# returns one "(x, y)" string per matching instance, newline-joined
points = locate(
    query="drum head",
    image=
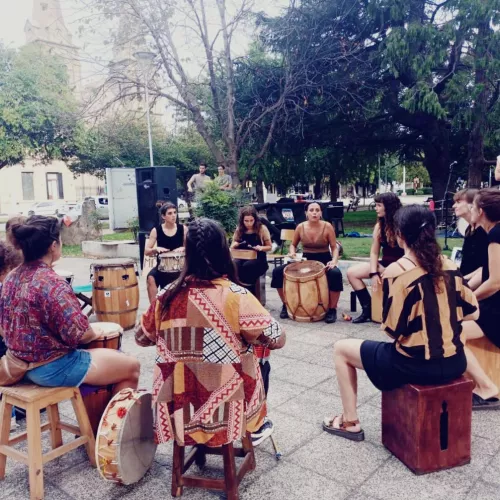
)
(63, 273)
(304, 270)
(105, 263)
(111, 330)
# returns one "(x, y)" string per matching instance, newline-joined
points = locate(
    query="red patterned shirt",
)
(39, 314)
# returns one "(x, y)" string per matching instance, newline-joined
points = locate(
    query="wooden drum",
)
(243, 254)
(306, 291)
(110, 339)
(488, 356)
(115, 291)
(95, 399)
(171, 262)
(125, 445)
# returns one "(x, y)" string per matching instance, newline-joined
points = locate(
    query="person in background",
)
(16, 219)
(205, 327)
(320, 244)
(198, 182)
(426, 305)
(169, 237)
(223, 180)
(251, 234)
(485, 212)
(475, 246)
(384, 237)
(57, 329)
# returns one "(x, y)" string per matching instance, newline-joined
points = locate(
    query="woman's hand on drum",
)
(332, 264)
(162, 250)
(257, 248)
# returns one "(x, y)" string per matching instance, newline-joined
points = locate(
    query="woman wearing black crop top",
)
(384, 237)
(485, 211)
(169, 237)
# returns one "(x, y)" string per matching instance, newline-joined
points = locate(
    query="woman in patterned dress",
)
(207, 385)
(426, 300)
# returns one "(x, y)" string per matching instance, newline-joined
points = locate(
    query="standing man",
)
(169, 236)
(198, 182)
(223, 180)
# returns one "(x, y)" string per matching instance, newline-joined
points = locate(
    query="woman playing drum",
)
(384, 237)
(169, 237)
(204, 326)
(475, 246)
(319, 243)
(42, 323)
(485, 212)
(425, 304)
(251, 234)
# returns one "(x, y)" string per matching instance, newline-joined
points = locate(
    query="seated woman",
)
(251, 234)
(485, 212)
(169, 237)
(384, 236)
(319, 243)
(475, 246)
(425, 304)
(204, 326)
(41, 320)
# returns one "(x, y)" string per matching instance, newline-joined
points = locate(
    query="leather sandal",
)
(342, 429)
(478, 403)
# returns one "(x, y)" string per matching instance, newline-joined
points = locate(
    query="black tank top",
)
(170, 242)
(253, 239)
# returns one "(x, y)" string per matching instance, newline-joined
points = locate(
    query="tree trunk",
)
(317, 186)
(333, 186)
(259, 187)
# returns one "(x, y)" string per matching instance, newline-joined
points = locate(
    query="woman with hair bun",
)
(384, 238)
(42, 322)
(426, 302)
(485, 212)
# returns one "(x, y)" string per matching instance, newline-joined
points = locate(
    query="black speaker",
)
(155, 186)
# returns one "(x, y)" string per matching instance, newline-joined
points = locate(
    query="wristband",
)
(374, 274)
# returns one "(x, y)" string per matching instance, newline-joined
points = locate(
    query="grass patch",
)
(72, 251)
(363, 218)
(125, 235)
(355, 247)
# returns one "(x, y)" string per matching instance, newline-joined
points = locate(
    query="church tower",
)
(47, 29)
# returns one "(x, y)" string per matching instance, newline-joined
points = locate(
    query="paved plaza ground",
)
(315, 465)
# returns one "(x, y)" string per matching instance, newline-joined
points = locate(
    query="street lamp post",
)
(145, 60)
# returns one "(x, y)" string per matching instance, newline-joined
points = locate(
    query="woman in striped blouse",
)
(425, 302)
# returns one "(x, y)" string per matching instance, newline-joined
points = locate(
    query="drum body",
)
(115, 291)
(306, 291)
(125, 444)
(171, 262)
(96, 399)
(110, 339)
(243, 254)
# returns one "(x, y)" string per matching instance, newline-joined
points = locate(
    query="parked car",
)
(50, 207)
(101, 205)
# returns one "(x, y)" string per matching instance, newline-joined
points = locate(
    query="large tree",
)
(37, 109)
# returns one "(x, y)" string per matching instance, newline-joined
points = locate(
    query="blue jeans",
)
(68, 371)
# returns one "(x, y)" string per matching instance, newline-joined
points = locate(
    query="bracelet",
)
(374, 274)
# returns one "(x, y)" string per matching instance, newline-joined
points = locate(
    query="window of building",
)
(55, 186)
(28, 186)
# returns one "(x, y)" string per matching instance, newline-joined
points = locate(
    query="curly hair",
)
(248, 211)
(9, 259)
(392, 204)
(207, 256)
(416, 225)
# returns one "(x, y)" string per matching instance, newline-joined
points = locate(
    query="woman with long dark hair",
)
(251, 234)
(42, 323)
(320, 244)
(204, 326)
(485, 212)
(425, 304)
(384, 237)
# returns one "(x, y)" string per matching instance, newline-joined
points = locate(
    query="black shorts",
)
(162, 279)
(388, 369)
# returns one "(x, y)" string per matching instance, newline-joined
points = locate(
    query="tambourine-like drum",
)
(125, 444)
(306, 291)
(115, 291)
(111, 337)
(243, 254)
(171, 262)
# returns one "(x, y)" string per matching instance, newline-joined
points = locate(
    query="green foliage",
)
(133, 227)
(219, 205)
(37, 108)
(95, 222)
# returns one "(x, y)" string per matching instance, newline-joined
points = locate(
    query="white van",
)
(101, 205)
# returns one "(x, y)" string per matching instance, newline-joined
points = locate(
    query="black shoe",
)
(331, 316)
(284, 312)
(364, 317)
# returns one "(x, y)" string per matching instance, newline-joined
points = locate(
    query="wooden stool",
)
(488, 356)
(429, 427)
(232, 476)
(34, 398)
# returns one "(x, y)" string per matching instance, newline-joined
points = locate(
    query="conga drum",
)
(125, 443)
(171, 262)
(96, 399)
(115, 291)
(111, 337)
(306, 291)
